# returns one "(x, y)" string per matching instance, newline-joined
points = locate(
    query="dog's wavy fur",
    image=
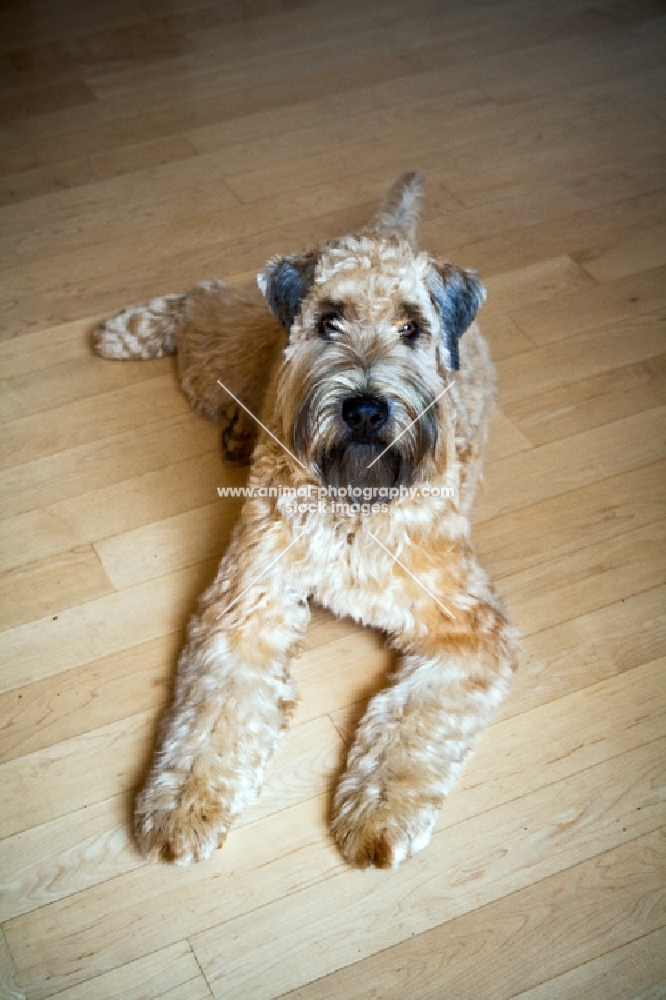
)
(409, 569)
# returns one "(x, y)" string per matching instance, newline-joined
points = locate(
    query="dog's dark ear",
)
(285, 282)
(458, 296)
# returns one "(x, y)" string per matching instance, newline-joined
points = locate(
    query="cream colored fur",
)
(409, 570)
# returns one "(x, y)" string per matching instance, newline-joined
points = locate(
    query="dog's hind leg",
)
(227, 342)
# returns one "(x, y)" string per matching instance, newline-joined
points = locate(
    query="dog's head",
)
(373, 329)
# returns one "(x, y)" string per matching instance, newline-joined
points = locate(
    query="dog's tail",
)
(147, 331)
(399, 212)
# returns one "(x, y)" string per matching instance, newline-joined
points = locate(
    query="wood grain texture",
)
(8, 984)
(479, 858)
(502, 947)
(638, 965)
(146, 147)
(172, 971)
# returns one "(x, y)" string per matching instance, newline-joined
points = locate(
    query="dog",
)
(355, 384)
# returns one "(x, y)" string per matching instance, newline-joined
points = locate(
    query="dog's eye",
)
(328, 324)
(410, 331)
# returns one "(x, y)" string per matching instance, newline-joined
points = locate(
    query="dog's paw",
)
(188, 831)
(238, 437)
(373, 827)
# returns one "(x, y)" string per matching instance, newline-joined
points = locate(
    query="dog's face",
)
(373, 328)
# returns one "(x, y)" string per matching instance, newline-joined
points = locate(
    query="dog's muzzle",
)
(363, 438)
(362, 454)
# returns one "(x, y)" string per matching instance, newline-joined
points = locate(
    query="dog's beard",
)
(361, 464)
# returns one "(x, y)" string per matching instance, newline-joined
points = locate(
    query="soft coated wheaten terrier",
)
(370, 392)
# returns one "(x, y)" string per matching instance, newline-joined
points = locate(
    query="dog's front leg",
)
(233, 700)
(410, 746)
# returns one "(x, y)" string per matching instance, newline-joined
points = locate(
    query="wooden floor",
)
(148, 145)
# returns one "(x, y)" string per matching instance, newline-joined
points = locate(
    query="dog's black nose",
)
(364, 414)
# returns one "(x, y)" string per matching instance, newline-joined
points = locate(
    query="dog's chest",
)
(363, 570)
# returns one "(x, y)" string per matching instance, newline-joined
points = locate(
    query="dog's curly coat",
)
(357, 397)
